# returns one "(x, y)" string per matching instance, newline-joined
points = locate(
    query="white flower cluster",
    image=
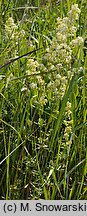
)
(77, 42)
(31, 65)
(57, 60)
(36, 83)
(10, 28)
(65, 39)
(73, 14)
(63, 47)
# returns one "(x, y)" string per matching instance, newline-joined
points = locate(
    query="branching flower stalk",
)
(58, 59)
(50, 88)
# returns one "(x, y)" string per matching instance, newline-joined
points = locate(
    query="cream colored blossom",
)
(10, 27)
(41, 82)
(33, 85)
(73, 14)
(77, 42)
(31, 65)
(42, 100)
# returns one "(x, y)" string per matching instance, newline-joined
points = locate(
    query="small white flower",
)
(33, 86)
(10, 28)
(77, 42)
(24, 89)
(73, 14)
(42, 100)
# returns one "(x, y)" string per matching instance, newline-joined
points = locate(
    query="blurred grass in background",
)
(43, 102)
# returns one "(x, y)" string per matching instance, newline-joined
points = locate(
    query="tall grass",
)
(43, 97)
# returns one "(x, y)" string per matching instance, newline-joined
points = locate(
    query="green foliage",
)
(43, 97)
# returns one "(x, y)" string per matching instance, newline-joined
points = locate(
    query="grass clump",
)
(43, 112)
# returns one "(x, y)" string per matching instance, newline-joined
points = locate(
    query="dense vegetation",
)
(43, 99)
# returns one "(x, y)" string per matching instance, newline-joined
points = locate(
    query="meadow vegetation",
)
(43, 99)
